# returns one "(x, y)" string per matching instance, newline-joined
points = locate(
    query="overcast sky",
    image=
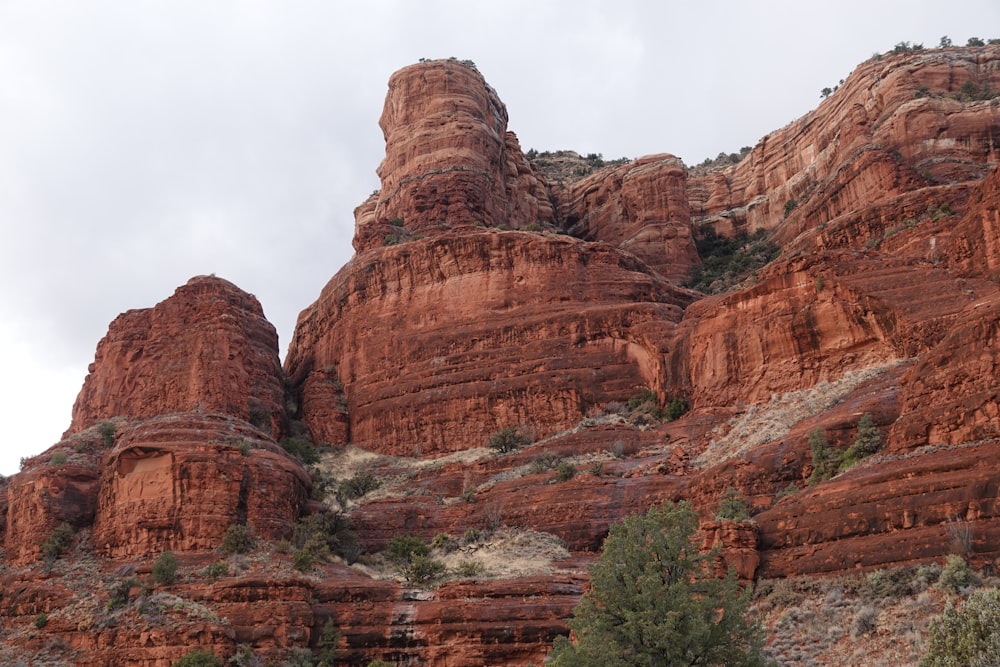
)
(142, 143)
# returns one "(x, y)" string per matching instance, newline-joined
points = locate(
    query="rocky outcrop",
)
(891, 128)
(207, 348)
(641, 207)
(178, 482)
(449, 160)
(440, 342)
(483, 296)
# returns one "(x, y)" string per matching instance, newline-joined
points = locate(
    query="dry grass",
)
(766, 422)
(867, 620)
(506, 553)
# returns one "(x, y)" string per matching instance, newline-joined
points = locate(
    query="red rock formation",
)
(736, 544)
(974, 245)
(178, 482)
(42, 498)
(445, 327)
(208, 347)
(438, 343)
(872, 140)
(641, 207)
(449, 159)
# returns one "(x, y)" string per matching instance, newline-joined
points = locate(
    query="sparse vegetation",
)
(733, 506)
(653, 601)
(509, 439)
(867, 441)
(825, 460)
(199, 658)
(968, 635)
(956, 574)
(41, 620)
(726, 262)
(107, 431)
(215, 571)
(674, 409)
(58, 458)
(326, 534)
(423, 570)
(165, 569)
(120, 594)
(238, 539)
(468, 569)
(404, 548)
(57, 543)
(302, 449)
(725, 159)
(357, 486)
(566, 471)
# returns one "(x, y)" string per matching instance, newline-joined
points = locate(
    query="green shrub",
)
(107, 431)
(469, 568)
(423, 570)
(41, 620)
(199, 658)
(303, 560)
(404, 548)
(675, 409)
(508, 439)
(824, 459)
(165, 569)
(441, 541)
(58, 458)
(57, 543)
(301, 449)
(379, 663)
(396, 222)
(119, 595)
(215, 571)
(654, 600)
(967, 636)
(566, 471)
(645, 396)
(956, 574)
(355, 487)
(326, 533)
(733, 506)
(471, 536)
(789, 490)
(237, 540)
(726, 262)
(544, 462)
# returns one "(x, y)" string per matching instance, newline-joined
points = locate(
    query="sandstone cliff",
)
(484, 295)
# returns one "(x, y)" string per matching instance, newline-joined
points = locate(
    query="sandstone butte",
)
(486, 294)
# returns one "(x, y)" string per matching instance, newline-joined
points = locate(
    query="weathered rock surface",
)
(449, 159)
(178, 482)
(641, 207)
(465, 310)
(440, 342)
(208, 347)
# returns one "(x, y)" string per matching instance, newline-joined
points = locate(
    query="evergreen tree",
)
(654, 602)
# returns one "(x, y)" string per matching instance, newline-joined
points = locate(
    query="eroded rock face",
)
(208, 347)
(446, 326)
(41, 499)
(641, 207)
(449, 160)
(872, 140)
(441, 342)
(178, 482)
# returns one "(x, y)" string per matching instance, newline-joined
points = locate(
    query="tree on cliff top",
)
(655, 602)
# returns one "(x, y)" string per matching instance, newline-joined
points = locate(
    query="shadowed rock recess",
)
(486, 297)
